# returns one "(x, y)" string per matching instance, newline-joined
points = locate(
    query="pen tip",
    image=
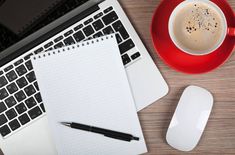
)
(65, 123)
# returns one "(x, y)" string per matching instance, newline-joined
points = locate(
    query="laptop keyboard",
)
(20, 100)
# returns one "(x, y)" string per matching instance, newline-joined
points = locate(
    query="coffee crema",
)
(198, 27)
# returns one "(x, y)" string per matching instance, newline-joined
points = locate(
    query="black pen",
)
(105, 132)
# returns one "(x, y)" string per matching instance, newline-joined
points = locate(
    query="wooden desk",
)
(219, 135)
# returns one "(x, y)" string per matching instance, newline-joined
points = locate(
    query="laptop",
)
(50, 25)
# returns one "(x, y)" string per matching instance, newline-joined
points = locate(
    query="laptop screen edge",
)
(46, 32)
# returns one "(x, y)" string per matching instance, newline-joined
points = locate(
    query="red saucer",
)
(179, 60)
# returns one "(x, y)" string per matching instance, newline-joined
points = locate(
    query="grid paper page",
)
(88, 85)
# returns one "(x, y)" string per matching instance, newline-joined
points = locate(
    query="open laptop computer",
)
(23, 122)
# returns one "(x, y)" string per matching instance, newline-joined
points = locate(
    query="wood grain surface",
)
(219, 135)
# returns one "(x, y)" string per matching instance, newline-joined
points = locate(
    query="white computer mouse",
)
(190, 118)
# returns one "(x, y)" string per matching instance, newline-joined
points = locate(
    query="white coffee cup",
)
(201, 52)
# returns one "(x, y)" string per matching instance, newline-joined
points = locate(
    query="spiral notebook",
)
(87, 83)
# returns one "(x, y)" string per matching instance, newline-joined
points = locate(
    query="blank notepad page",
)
(87, 83)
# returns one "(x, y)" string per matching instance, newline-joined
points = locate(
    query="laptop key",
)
(14, 124)
(88, 30)
(68, 33)
(38, 97)
(3, 93)
(119, 39)
(1, 72)
(2, 107)
(78, 27)
(36, 86)
(98, 25)
(99, 34)
(29, 90)
(21, 70)
(58, 45)
(20, 96)
(29, 65)
(21, 82)
(31, 77)
(135, 56)
(127, 45)
(79, 36)
(8, 68)
(48, 45)
(38, 50)
(109, 18)
(88, 21)
(108, 9)
(58, 39)
(42, 107)
(30, 102)
(3, 119)
(11, 76)
(108, 30)
(27, 56)
(18, 62)
(11, 114)
(3, 81)
(118, 27)
(24, 119)
(12, 88)
(35, 112)
(10, 101)
(98, 15)
(69, 41)
(125, 59)
(4, 130)
(20, 108)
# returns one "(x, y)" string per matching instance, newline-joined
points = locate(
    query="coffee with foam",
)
(198, 27)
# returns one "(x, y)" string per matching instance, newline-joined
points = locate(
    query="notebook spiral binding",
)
(67, 48)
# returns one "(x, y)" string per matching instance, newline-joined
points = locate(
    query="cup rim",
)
(171, 33)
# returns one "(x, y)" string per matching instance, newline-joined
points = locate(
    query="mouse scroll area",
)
(190, 118)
